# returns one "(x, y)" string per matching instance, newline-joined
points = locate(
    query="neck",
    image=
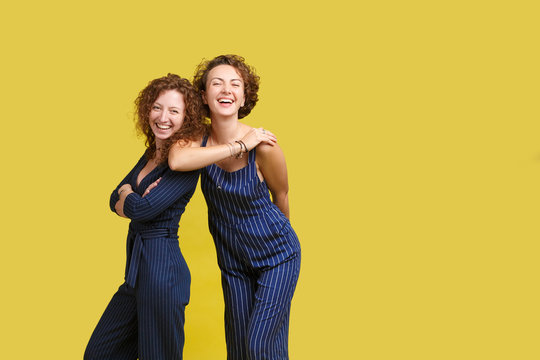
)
(159, 147)
(224, 130)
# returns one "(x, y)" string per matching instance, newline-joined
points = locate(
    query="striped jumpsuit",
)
(259, 257)
(145, 318)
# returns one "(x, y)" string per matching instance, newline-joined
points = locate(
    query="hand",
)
(150, 187)
(256, 136)
(125, 187)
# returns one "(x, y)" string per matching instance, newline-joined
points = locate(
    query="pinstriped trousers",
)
(257, 311)
(257, 288)
(146, 322)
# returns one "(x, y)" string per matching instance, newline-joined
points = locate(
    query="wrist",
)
(243, 149)
(124, 191)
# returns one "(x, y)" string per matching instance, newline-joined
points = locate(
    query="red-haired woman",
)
(258, 251)
(145, 318)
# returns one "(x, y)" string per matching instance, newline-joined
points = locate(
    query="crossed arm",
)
(173, 185)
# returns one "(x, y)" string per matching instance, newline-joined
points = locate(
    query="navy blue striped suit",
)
(145, 318)
(259, 257)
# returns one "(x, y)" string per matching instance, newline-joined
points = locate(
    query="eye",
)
(215, 83)
(155, 107)
(176, 112)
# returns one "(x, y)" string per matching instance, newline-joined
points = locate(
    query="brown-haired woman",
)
(258, 251)
(145, 318)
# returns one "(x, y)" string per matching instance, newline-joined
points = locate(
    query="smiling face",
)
(224, 91)
(167, 115)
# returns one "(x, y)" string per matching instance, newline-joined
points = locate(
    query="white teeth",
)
(227, 101)
(163, 127)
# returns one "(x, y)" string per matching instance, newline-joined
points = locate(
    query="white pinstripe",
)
(259, 255)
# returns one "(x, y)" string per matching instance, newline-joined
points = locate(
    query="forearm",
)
(193, 158)
(119, 205)
(114, 198)
(172, 187)
(281, 200)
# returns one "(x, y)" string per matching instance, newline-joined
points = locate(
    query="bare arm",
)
(191, 156)
(271, 162)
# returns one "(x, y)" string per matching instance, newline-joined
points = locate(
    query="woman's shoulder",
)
(268, 153)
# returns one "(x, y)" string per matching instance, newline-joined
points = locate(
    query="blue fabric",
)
(145, 318)
(259, 257)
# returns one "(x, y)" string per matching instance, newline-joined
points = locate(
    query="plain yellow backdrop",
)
(411, 132)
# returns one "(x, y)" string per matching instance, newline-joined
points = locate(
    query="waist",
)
(148, 233)
(236, 217)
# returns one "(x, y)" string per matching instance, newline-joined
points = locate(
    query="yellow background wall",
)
(411, 131)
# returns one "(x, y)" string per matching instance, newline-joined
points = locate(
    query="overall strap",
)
(204, 140)
(251, 156)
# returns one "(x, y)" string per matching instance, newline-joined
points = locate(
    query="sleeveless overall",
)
(259, 257)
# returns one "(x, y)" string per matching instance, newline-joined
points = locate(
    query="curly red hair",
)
(251, 80)
(193, 126)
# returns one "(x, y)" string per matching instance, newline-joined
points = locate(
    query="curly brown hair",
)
(193, 126)
(251, 80)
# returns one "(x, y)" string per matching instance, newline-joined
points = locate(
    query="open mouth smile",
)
(163, 127)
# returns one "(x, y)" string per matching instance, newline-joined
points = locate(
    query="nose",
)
(226, 88)
(163, 116)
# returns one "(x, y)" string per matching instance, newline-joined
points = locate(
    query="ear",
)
(203, 94)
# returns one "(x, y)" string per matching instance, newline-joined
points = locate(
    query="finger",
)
(270, 141)
(272, 138)
(154, 184)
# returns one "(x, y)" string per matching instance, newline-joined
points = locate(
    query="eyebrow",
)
(172, 107)
(218, 78)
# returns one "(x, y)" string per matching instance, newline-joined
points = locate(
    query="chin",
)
(227, 113)
(162, 137)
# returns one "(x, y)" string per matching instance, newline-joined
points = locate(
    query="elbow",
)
(180, 163)
(280, 196)
(173, 163)
(176, 163)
